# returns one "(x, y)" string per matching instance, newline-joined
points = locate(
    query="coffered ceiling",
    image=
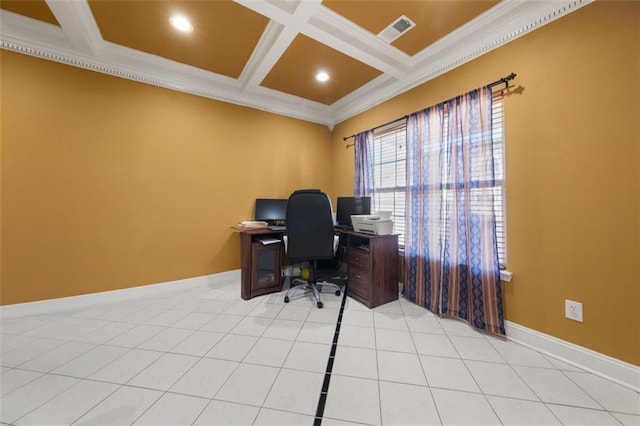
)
(265, 53)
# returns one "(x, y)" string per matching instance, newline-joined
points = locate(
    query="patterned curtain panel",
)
(363, 177)
(451, 257)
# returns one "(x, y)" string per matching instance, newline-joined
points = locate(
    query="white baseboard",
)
(602, 365)
(605, 366)
(85, 301)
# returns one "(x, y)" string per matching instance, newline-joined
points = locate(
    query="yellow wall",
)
(109, 183)
(572, 167)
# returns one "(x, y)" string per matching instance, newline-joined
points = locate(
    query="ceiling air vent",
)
(396, 29)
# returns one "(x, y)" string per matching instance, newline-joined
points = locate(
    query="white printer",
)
(379, 223)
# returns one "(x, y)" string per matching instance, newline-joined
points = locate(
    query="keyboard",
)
(344, 227)
(277, 228)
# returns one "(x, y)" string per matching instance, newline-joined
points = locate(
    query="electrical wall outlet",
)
(573, 310)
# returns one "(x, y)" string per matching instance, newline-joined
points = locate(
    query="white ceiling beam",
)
(269, 10)
(329, 28)
(77, 22)
(274, 42)
(334, 30)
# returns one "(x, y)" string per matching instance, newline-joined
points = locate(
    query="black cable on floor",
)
(327, 374)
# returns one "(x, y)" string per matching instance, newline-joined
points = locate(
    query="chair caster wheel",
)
(319, 305)
(286, 299)
(337, 292)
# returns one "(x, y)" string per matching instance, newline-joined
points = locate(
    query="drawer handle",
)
(358, 276)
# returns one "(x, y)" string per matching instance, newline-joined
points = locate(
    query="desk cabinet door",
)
(265, 271)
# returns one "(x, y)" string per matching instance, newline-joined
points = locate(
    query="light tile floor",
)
(205, 357)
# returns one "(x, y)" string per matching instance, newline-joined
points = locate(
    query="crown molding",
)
(78, 43)
(47, 41)
(475, 39)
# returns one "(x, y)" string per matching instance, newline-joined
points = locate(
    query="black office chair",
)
(310, 237)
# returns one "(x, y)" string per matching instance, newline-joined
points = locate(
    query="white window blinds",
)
(389, 176)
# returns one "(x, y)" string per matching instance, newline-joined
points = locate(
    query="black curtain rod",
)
(503, 80)
(377, 127)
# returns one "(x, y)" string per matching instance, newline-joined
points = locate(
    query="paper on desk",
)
(267, 240)
(253, 224)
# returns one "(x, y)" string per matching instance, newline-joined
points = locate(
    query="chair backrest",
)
(309, 225)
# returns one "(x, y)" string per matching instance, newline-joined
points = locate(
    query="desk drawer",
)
(359, 281)
(359, 258)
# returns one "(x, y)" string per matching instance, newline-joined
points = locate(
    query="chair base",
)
(306, 287)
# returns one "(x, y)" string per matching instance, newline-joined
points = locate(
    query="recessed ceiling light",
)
(181, 23)
(322, 76)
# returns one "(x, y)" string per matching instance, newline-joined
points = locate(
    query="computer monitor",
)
(351, 205)
(271, 210)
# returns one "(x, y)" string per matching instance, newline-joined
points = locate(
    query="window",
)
(389, 178)
(497, 121)
(389, 175)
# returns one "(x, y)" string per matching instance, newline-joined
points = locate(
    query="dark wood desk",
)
(372, 262)
(259, 263)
